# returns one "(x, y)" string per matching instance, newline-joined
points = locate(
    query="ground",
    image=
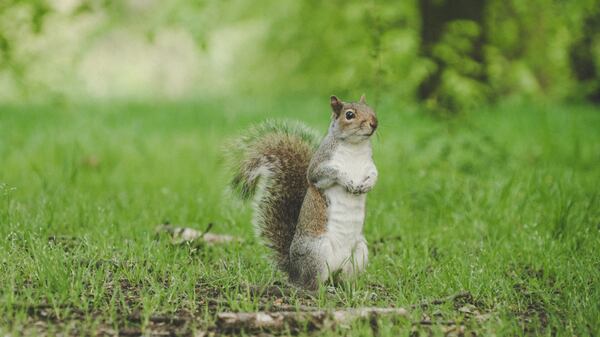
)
(487, 223)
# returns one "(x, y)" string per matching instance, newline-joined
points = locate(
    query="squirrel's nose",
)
(373, 124)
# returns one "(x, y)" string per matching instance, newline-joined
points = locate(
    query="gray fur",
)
(307, 267)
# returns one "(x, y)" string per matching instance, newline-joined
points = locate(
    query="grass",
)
(503, 203)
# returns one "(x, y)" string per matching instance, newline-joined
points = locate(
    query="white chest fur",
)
(346, 211)
(355, 160)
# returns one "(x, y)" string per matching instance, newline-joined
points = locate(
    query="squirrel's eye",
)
(349, 114)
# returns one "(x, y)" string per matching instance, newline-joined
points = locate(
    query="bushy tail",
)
(269, 163)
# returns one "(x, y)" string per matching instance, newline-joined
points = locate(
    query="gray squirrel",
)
(309, 198)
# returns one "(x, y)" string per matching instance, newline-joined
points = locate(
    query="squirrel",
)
(310, 197)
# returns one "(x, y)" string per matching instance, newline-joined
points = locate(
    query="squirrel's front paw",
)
(361, 188)
(364, 189)
(354, 189)
(367, 184)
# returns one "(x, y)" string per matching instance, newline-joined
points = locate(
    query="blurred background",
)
(114, 115)
(446, 55)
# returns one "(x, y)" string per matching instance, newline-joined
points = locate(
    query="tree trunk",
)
(582, 59)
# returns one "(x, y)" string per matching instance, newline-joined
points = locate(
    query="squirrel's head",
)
(353, 122)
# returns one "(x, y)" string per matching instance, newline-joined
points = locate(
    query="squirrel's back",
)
(269, 164)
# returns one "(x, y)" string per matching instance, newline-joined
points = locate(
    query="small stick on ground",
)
(292, 307)
(181, 235)
(294, 320)
(207, 229)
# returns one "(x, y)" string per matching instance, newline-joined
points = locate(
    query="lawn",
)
(500, 205)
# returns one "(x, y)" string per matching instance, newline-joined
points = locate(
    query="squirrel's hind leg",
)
(308, 266)
(357, 262)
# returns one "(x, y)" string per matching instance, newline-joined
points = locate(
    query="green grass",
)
(503, 203)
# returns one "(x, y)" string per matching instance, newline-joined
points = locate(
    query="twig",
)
(208, 228)
(180, 235)
(320, 319)
(292, 307)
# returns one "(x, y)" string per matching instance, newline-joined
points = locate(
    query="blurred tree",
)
(527, 48)
(584, 59)
(43, 42)
(452, 37)
(19, 18)
(322, 43)
(451, 55)
(347, 47)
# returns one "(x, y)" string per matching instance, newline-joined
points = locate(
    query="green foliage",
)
(18, 20)
(540, 48)
(528, 48)
(346, 47)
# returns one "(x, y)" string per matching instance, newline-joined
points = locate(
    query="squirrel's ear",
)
(336, 105)
(363, 99)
